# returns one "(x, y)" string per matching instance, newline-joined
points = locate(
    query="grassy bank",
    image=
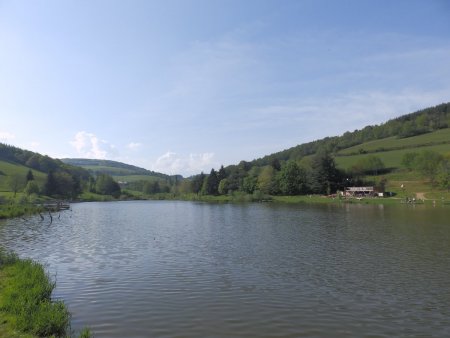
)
(26, 307)
(11, 210)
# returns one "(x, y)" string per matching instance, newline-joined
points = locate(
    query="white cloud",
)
(173, 163)
(90, 146)
(6, 137)
(134, 145)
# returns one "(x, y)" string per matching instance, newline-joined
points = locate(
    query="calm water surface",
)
(185, 269)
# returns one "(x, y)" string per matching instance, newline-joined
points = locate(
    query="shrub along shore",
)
(26, 307)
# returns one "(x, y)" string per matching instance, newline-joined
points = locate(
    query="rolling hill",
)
(426, 127)
(120, 171)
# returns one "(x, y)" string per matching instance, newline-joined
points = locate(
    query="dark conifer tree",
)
(30, 176)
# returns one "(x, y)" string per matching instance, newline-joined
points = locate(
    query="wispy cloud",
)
(173, 163)
(320, 117)
(90, 146)
(134, 145)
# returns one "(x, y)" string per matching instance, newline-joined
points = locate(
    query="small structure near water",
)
(360, 192)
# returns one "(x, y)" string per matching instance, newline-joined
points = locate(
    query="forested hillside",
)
(130, 177)
(416, 144)
(24, 171)
(420, 122)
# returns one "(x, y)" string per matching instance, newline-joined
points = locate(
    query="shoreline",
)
(16, 210)
(26, 306)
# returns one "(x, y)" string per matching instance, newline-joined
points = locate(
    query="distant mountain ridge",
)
(113, 168)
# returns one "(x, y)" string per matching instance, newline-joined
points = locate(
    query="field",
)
(8, 169)
(134, 178)
(110, 170)
(438, 137)
(391, 149)
(391, 159)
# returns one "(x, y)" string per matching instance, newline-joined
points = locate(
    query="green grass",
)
(134, 178)
(391, 159)
(110, 170)
(12, 210)
(394, 143)
(26, 307)
(25, 299)
(93, 197)
(7, 169)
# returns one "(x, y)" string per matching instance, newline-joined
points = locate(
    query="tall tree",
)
(212, 183)
(292, 179)
(428, 163)
(325, 176)
(106, 185)
(30, 176)
(197, 183)
(266, 180)
(221, 174)
(51, 186)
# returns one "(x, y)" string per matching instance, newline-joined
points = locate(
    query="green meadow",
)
(435, 138)
(8, 169)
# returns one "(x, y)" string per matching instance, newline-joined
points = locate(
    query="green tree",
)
(212, 183)
(428, 163)
(409, 160)
(62, 184)
(275, 163)
(221, 174)
(443, 175)
(292, 179)
(325, 177)
(30, 176)
(223, 187)
(16, 182)
(51, 186)
(105, 185)
(32, 188)
(250, 180)
(151, 187)
(197, 183)
(266, 180)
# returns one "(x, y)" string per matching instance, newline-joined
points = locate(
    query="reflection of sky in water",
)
(166, 268)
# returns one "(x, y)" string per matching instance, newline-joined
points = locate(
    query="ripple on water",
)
(181, 269)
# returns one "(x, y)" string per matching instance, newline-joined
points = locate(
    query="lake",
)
(188, 269)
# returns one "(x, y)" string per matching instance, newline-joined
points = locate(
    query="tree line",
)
(431, 165)
(420, 122)
(62, 181)
(316, 175)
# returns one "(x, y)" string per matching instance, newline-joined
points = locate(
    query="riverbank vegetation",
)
(26, 307)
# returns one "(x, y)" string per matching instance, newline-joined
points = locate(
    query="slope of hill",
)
(119, 170)
(8, 169)
(398, 132)
(53, 177)
(391, 149)
(36, 161)
(436, 138)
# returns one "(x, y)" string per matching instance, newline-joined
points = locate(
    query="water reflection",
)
(140, 269)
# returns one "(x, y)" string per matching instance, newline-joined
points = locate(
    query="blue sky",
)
(184, 86)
